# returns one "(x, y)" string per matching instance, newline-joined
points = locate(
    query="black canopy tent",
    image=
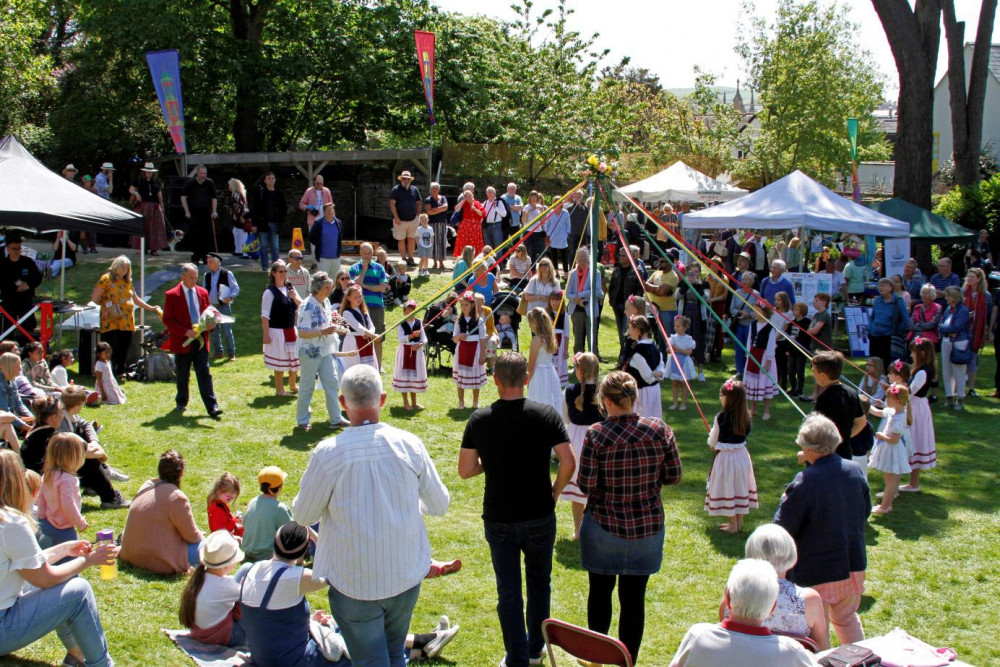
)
(36, 198)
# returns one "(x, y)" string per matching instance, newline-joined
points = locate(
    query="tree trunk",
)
(248, 20)
(967, 107)
(913, 35)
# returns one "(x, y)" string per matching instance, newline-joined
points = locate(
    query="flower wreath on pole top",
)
(600, 165)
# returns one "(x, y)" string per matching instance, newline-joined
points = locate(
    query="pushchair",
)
(439, 329)
(505, 303)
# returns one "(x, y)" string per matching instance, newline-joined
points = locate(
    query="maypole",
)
(600, 167)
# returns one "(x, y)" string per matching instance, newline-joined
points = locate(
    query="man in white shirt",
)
(496, 211)
(742, 639)
(375, 552)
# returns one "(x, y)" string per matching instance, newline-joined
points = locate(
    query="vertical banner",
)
(896, 253)
(425, 56)
(852, 138)
(165, 67)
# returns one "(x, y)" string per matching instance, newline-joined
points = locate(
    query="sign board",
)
(856, 320)
(807, 285)
(897, 252)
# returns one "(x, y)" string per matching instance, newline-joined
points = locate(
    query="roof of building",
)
(995, 60)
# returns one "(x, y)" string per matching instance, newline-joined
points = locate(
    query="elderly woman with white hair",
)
(799, 611)
(743, 638)
(831, 545)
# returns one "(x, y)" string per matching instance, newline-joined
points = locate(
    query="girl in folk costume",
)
(580, 409)
(922, 439)
(410, 373)
(469, 366)
(893, 448)
(560, 325)
(543, 381)
(681, 365)
(732, 488)
(485, 313)
(361, 329)
(761, 366)
(645, 364)
(898, 373)
(277, 317)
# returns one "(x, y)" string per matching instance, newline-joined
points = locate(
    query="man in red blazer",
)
(182, 306)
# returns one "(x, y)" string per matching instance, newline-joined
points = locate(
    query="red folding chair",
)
(584, 644)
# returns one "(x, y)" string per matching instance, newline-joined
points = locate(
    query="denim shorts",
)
(603, 553)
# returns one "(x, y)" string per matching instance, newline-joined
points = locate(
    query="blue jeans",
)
(493, 234)
(742, 332)
(69, 609)
(309, 367)
(666, 318)
(224, 333)
(535, 539)
(52, 536)
(193, 558)
(268, 244)
(375, 630)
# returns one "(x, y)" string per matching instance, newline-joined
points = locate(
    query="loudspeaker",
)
(86, 353)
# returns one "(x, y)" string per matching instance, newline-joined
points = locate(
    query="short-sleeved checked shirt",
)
(625, 462)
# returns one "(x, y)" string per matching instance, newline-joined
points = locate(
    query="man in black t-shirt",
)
(836, 402)
(404, 202)
(19, 276)
(199, 202)
(511, 442)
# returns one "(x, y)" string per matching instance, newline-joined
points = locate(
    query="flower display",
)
(209, 317)
(602, 164)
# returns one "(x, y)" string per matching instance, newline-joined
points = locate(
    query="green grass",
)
(932, 562)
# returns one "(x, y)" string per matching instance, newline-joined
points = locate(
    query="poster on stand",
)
(856, 320)
(807, 285)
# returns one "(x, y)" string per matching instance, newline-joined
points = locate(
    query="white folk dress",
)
(892, 458)
(410, 372)
(544, 386)
(732, 487)
(354, 340)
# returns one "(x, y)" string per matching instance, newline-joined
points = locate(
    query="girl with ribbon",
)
(893, 447)
(409, 374)
(732, 487)
(469, 366)
(924, 456)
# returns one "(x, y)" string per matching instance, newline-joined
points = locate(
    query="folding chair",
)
(584, 644)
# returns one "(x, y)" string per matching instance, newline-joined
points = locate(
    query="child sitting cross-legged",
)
(265, 515)
(224, 493)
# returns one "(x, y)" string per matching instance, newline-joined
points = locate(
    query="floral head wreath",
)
(897, 365)
(469, 296)
(678, 318)
(895, 389)
(577, 357)
(729, 385)
(919, 340)
(410, 303)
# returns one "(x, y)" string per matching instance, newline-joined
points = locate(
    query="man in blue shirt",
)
(374, 282)
(222, 288)
(325, 237)
(557, 238)
(776, 282)
(513, 202)
(404, 203)
(944, 278)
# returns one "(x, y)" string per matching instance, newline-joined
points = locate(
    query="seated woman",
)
(48, 415)
(57, 599)
(160, 532)
(799, 611)
(276, 616)
(10, 399)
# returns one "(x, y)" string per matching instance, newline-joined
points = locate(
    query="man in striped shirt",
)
(944, 278)
(367, 488)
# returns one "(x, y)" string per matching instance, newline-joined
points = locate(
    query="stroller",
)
(505, 303)
(439, 329)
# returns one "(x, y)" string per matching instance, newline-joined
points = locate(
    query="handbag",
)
(851, 655)
(961, 353)
(251, 246)
(456, 217)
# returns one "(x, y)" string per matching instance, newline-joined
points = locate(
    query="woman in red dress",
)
(470, 231)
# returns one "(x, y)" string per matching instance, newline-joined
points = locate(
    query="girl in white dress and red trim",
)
(277, 319)
(645, 364)
(761, 366)
(922, 432)
(409, 375)
(469, 366)
(732, 487)
(580, 409)
(361, 335)
(543, 382)
(560, 325)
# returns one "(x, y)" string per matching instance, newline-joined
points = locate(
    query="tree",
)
(913, 34)
(967, 106)
(811, 76)
(26, 76)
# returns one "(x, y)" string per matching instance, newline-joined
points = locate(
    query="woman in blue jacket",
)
(954, 330)
(889, 318)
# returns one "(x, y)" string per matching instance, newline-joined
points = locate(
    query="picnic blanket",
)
(208, 655)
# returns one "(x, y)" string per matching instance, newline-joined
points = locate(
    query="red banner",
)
(425, 56)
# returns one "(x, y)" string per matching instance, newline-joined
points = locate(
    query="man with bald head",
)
(182, 308)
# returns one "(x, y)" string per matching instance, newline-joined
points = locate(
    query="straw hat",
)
(405, 174)
(108, 166)
(70, 167)
(149, 167)
(220, 549)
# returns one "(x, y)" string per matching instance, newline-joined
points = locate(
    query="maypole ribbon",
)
(673, 353)
(719, 319)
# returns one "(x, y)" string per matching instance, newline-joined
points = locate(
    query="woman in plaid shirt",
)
(626, 460)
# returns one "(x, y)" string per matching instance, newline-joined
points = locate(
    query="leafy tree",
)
(811, 76)
(26, 72)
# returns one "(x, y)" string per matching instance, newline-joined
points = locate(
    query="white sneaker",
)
(117, 475)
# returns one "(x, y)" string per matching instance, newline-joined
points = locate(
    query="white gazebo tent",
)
(679, 182)
(797, 201)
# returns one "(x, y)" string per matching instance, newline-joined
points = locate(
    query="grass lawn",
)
(932, 562)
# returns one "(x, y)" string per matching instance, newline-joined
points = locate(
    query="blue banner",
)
(165, 67)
